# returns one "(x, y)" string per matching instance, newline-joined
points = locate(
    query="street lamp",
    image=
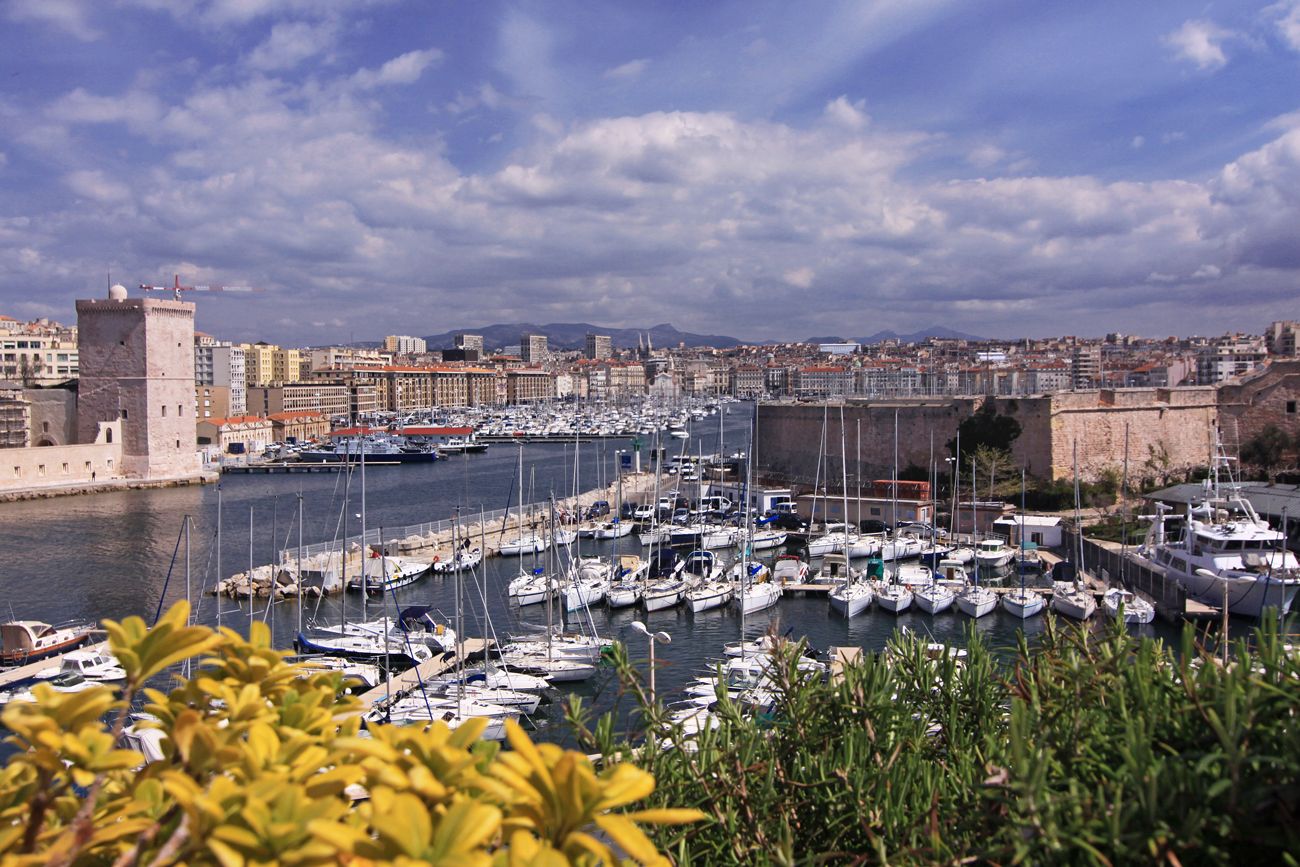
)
(653, 636)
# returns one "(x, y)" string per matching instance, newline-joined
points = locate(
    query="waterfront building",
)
(15, 416)
(298, 426)
(334, 357)
(529, 385)
(251, 434)
(220, 388)
(328, 399)
(468, 341)
(1281, 339)
(137, 369)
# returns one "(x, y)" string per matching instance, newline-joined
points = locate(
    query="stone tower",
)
(137, 365)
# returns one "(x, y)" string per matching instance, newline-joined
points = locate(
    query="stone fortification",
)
(1169, 428)
(1265, 396)
(137, 365)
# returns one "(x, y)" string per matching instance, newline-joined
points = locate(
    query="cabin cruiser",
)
(1222, 551)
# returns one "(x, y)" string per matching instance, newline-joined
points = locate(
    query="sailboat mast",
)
(251, 606)
(365, 581)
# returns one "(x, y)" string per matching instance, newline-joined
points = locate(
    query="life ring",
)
(435, 558)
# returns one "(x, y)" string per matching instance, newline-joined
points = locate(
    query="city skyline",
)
(755, 170)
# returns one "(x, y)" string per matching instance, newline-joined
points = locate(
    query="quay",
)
(303, 467)
(466, 649)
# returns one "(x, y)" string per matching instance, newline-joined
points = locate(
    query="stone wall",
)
(52, 466)
(54, 416)
(1174, 425)
(1267, 396)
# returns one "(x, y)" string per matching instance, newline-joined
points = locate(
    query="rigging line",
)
(163, 595)
(275, 569)
(194, 615)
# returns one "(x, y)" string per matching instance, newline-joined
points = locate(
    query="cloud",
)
(93, 185)
(628, 71)
(405, 69)
(1137, 142)
(1287, 18)
(292, 42)
(1199, 42)
(800, 277)
(842, 113)
(70, 16)
(985, 156)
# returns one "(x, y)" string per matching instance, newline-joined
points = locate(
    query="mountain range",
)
(914, 337)
(573, 335)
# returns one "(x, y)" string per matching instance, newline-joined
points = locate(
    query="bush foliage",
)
(259, 759)
(1097, 749)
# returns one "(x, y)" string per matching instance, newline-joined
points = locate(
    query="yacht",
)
(1222, 551)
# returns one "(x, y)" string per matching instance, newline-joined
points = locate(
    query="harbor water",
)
(114, 555)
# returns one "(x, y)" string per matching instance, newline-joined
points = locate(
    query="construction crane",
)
(177, 288)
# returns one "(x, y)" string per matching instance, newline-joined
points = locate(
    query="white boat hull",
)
(850, 600)
(933, 600)
(1023, 604)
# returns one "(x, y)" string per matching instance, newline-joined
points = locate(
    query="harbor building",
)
(137, 369)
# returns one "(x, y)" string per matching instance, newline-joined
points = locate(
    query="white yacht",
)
(1222, 550)
(1118, 602)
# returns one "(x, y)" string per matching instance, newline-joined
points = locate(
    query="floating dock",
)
(425, 671)
(11, 676)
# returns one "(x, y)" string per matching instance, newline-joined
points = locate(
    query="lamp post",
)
(653, 636)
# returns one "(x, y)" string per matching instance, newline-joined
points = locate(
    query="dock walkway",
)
(425, 671)
(11, 676)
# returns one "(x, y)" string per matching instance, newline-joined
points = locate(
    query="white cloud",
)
(1137, 142)
(986, 155)
(801, 277)
(1287, 18)
(93, 185)
(1199, 42)
(628, 71)
(292, 42)
(70, 16)
(842, 113)
(405, 69)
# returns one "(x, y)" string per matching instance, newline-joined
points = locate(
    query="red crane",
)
(178, 288)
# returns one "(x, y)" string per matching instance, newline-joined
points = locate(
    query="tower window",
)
(164, 411)
(1290, 407)
(124, 414)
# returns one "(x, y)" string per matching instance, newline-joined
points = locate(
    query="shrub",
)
(258, 759)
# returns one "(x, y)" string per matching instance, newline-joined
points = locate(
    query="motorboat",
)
(1120, 603)
(523, 544)
(27, 641)
(465, 557)
(393, 572)
(1223, 551)
(790, 569)
(992, 553)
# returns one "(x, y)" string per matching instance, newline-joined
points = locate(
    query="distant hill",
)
(574, 336)
(915, 336)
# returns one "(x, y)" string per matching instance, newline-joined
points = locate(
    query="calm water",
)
(109, 555)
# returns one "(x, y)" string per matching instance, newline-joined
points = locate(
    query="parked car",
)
(598, 509)
(872, 527)
(644, 513)
(789, 522)
(922, 529)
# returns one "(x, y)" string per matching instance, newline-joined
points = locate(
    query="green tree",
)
(988, 428)
(1266, 449)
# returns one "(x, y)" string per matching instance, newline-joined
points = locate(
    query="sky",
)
(769, 171)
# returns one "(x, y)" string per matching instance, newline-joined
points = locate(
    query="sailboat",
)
(974, 599)
(1070, 596)
(526, 542)
(1022, 603)
(755, 590)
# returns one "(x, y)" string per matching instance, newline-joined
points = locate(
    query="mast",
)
(251, 606)
(300, 569)
(218, 552)
(365, 581)
(844, 487)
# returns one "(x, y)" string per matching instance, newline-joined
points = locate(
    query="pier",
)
(12, 676)
(425, 671)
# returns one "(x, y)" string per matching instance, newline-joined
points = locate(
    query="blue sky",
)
(766, 170)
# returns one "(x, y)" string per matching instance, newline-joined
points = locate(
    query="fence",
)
(1108, 562)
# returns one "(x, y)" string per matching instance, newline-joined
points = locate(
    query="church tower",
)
(137, 365)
